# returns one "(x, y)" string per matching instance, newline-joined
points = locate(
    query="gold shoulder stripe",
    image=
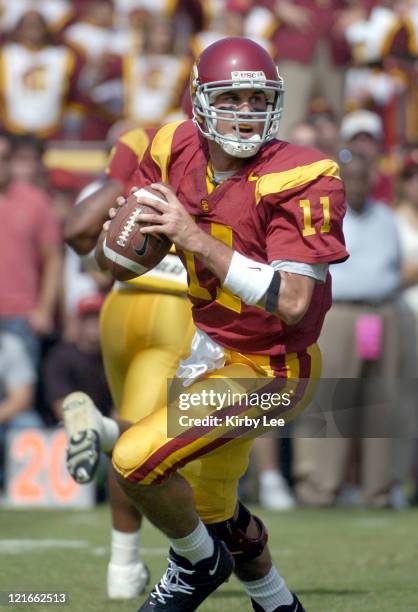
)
(161, 147)
(137, 140)
(277, 182)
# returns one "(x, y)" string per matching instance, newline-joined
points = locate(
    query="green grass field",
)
(337, 561)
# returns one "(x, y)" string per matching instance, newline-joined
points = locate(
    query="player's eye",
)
(259, 102)
(230, 99)
(226, 107)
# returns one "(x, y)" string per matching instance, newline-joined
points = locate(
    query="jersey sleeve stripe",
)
(161, 147)
(277, 182)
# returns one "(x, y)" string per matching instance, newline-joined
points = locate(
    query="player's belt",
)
(169, 276)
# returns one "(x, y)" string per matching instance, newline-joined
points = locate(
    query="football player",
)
(146, 326)
(256, 222)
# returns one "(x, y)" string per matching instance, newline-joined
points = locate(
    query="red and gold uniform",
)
(57, 13)
(36, 86)
(152, 85)
(146, 325)
(257, 24)
(286, 203)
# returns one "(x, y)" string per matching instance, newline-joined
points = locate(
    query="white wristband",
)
(248, 279)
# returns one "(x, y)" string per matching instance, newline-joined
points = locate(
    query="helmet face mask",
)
(238, 59)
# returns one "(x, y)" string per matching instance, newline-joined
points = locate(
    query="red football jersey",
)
(286, 203)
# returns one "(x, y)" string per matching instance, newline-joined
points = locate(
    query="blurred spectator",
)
(57, 13)
(26, 163)
(30, 266)
(407, 217)
(187, 13)
(361, 342)
(303, 135)
(149, 84)
(229, 18)
(312, 54)
(371, 39)
(92, 33)
(93, 36)
(17, 384)
(39, 79)
(77, 365)
(385, 75)
(326, 132)
(362, 132)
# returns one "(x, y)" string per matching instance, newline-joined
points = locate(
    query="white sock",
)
(269, 592)
(196, 546)
(108, 430)
(124, 547)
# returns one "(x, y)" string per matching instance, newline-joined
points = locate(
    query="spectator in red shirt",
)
(31, 261)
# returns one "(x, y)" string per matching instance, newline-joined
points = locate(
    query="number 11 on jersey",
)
(308, 229)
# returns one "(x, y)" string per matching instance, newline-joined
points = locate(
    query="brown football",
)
(128, 252)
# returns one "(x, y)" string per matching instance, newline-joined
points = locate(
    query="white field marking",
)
(163, 552)
(15, 547)
(101, 551)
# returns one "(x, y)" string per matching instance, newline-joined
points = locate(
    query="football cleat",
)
(83, 451)
(184, 586)
(127, 581)
(295, 606)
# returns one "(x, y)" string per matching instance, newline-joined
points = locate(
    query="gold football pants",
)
(143, 337)
(213, 463)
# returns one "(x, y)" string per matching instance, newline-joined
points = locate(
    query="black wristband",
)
(272, 293)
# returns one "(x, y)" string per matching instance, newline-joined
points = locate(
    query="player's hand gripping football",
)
(170, 219)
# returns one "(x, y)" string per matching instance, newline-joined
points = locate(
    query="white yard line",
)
(13, 547)
(16, 547)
